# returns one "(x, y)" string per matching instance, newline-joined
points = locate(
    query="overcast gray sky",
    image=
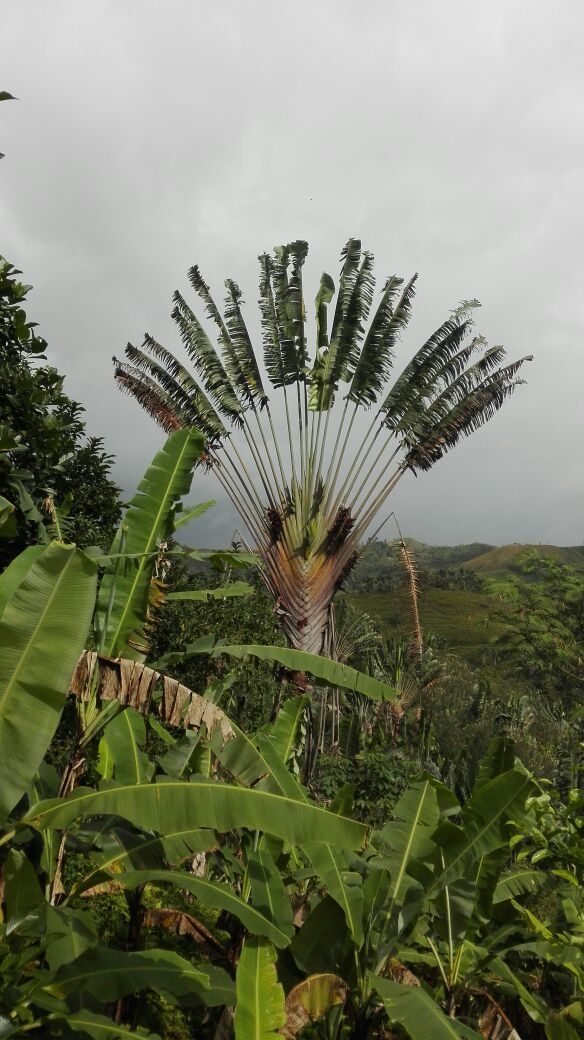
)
(447, 134)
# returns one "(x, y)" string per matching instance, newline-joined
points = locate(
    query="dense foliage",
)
(44, 451)
(168, 866)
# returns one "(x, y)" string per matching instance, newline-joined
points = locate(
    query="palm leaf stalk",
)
(308, 506)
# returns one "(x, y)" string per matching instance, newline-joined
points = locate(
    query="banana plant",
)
(308, 497)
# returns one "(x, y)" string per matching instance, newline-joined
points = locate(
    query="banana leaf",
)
(259, 1011)
(42, 631)
(101, 1028)
(107, 974)
(214, 895)
(419, 1015)
(164, 807)
(325, 671)
(122, 605)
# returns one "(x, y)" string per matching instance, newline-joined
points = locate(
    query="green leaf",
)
(267, 891)
(163, 807)
(558, 1028)
(123, 736)
(15, 573)
(180, 519)
(42, 632)
(327, 672)
(124, 592)
(419, 1015)
(101, 1028)
(237, 588)
(259, 1011)
(107, 974)
(332, 866)
(69, 933)
(5, 96)
(485, 823)
(22, 895)
(7, 518)
(216, 896)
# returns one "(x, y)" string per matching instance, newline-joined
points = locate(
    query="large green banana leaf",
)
(344, 885)
(260, 1011)
(322, 669)
(166, 806)
(419, 1015)
(211, 894)
(42, 632)
(101, 1028)
(108, 974)
(484, 826)
(16, 572)
(123, 597)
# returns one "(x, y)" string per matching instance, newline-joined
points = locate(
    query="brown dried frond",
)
(132, 684)
(413, 580)
(147, 394)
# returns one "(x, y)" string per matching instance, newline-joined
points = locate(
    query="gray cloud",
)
(447, 136)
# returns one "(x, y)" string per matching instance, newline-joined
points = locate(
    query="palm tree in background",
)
(309, 496)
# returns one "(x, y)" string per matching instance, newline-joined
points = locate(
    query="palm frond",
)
(289, 306)
(338, 361)
(149, 395)
(240, 360)
(463, 418)
(206, 360)
(372, 369)
(418, 377)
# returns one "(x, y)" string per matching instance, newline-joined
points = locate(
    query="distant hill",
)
(380, 566)
(500, 560)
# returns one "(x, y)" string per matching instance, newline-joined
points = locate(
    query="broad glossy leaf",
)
(42, 632)
(101, 1028)
(22, 893)
(107, 974)
(16, 571)
(132, 850)
(214, 895)
(236, 588)
(259, 1010)
(191, 513)
(69, 933)
(332, 867)
(124, 591)
(7, 518)
(268, 894)
(485, 823)
(327, 672)
(164, 807)
(123, 736)
(419, 1015)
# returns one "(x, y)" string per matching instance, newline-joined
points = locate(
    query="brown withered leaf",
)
(493, 1023)
(311, 999)
(132, 684)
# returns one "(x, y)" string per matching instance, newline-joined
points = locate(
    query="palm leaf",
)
(372, 369)
(206, 360)
(153, 398)
(241, 362)
(42, 630)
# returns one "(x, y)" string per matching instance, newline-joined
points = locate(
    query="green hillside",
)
(499, 561)
(460, 620)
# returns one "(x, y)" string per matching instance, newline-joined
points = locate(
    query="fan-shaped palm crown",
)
(309, 495)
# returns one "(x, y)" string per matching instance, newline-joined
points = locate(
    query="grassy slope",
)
(460, 620)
